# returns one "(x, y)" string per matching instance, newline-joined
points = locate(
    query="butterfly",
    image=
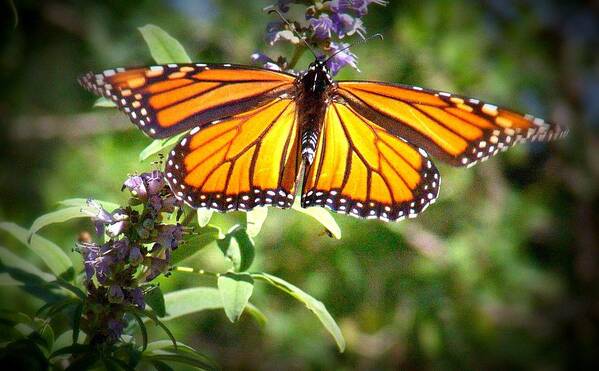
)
(257, 137)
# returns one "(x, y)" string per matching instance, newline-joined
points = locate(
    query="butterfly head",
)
(318, 76)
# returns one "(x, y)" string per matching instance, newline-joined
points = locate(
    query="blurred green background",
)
(501, 272)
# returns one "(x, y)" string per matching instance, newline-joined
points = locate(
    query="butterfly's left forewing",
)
(169, 99)
(362, 170)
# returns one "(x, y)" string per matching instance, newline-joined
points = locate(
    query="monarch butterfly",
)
(362, 147)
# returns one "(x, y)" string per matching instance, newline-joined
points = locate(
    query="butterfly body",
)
(364, 144)
(313, 91)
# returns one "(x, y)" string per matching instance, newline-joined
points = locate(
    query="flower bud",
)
(136, 186)
(115, 294)
(154, 181)
(135, 256)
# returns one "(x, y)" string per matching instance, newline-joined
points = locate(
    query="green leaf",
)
(159, 145)
(204, 216)
(163, 47)
(82, 203)
(143, 330)
(235, 291)
(58, 262)
(66, 338)
(58, 216)
(254, 220)
(195, 243)
(258, 315)
(76, 322)
(161, 366)
(238, 247)
(314, 305)
(164, 351)
(322, 216)
(187, 301)
(157, 322)
(155, 299)
(104, 102)
(11, 260)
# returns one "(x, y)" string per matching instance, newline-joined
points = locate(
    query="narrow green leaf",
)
(187, 301)
(238, 247)
(258, 315)
(159, 145)
(66, 338)
(195, 243)
(314, 305)
(7, 280)
(204, 216)
(164, 351)
(159, 323)
(82, 203)
(155, 299)
(76, 322)
(58, 262)
(71, 349)
(163, 47)
(161, 366)
(235, 291)
(143, 330)
(58, 216)
(322, 216)
(254, 220)
(10, 260)
(72, 288)
(104, 102)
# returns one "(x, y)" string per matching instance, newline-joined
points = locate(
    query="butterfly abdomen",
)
(313, 91)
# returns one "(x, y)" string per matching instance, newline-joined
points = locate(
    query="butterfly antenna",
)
(376, 35)
(292, 28)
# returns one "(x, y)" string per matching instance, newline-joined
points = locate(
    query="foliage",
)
(500, 273)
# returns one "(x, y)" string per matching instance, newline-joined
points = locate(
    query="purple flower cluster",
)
(137, 251)
(325, 24)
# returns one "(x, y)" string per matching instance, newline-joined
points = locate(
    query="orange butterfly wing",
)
(363, 170)
(247, 160)
(169, 99)
(461, 131)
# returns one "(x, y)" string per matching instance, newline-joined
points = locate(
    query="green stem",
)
(188, 217)
(297, 54)
(195, 271)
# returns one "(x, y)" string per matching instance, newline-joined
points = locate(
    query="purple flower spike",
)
(136, 297)
(345, 24)
(275, 32)
(154, 181)
(359, 6)
(115, 329)
(115, 294)
(135, 256)
(323, 26)
(284, 5)
(157, 266)
(121, 249)
(103, 265)
(170, 236)
(341, 59)
(97, 212)
(136, 186)
(117, 228)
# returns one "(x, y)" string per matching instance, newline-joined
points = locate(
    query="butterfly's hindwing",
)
(248, 160)
(362, 170)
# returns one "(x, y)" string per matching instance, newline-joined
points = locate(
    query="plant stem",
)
(191, 270)
(297, 53)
